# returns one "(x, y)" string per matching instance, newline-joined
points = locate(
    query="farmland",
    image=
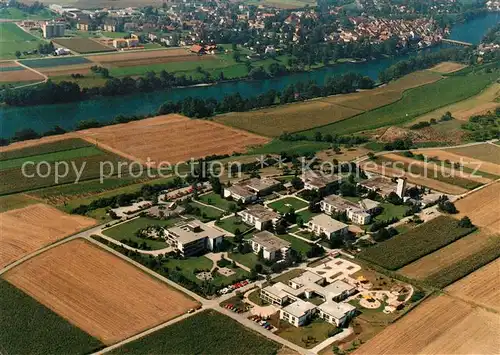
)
(172, 139)
(54, 62)
(85, 157)
(11, 202)
(83, 45)
(214, 334)
(485, 152)
(13, 38)
(402, 249)
(30, 328)
(13, 13)
(29, 228)
(447, 67)
(101, 294)
(441, 325)
(22, 75)
(290, 118)
(468, 162)
(415, 102)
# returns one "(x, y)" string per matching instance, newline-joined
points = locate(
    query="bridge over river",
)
(459, 43)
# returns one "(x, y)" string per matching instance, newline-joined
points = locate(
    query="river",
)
(43, 118)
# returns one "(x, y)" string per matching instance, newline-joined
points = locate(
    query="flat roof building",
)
(358, 213)
(323, 224)
(259, 216)
(314, 180)
(248, 190)
(336, 313)
(194, 237)
(298, 312)
(272, 247)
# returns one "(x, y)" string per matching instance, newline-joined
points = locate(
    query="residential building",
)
(380, 184)
(323, 224)
(53, 29)
(259, 216)
(298, 313)
(339, 290)
(194, 237)
(83, 24)
(110, 25)
(358, 213)
(315, 180)
(272, 247)
(336, 313)
(239, 193)
(279, 294)
(248, 190)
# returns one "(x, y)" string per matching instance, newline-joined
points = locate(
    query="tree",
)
(447, 207)
(394, 198)
(237, 56)
(18, 54)
(465, 222)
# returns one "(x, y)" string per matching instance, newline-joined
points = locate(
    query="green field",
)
(414, 103)
(300, 148)
(296, 243)
(13, 38)
(11, 202)
(72, 143)
(206, 213)
(27, 327)
(127, 231)
(13, 13)
(232, 223)
(54, 62)
(208, 332)
(284, 205)
(249, 259)
(405, 248)
(216, 200)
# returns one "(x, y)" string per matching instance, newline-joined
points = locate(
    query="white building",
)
(325, 224)
(53, 29)
(194, 237)
(259, 216)
(358, 213)
(279, 294)
(314, 180)
(380, 184)
(249, 190)
(272, 247)
(298, 313)
(336, 313)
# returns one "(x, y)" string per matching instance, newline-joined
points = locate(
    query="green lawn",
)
(391, 211)
(206, 213)
(309, 335)
(13, 38)
(188, 266)
(248, 259)
(297, 244)
(306, 215)
(232, 223)
(13, 13)
(216, 200)
(208, 332)
(284, 205)
(287, 276)
(28, 327)
(307, 235)
(127, 231)
(414, 103)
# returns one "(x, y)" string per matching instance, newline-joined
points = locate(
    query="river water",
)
(43, 118)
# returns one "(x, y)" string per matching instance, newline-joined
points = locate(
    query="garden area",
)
(284, 205)
(233, 224)
(216, 200)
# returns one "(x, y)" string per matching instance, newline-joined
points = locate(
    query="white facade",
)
(259, 216)
(298, 313)
(336, 313)
(323, 224)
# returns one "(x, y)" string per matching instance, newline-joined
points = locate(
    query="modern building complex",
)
(259, 216)
(53, 29)
(314, 180)
(294, 299)
(271, 246)
(194, 237)
(249, 190)
(323, 224)
(384, 186)
(359, 213)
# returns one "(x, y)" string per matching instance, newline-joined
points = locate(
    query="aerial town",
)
(251, 177)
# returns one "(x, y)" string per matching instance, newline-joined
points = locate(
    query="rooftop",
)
(317, 179)
(261, 213)
(299, 308)
(269, 241)
(261, 184)
(385, 185)
(194, 230)
(336, 310)
(240, 190)
(328, 223)
(339, 202)
(307, 278)
(337, 287)
(368, 204)
(282, 290)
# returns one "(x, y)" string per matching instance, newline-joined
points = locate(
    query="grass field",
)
(13, 39)
(416, 243)
(207, 213)
(127, 231)
(214, 334)
(43, 148)
(485, 152)
(54, 62)
(415, 102)
(34, 226)
(284, 205)
(11, 202)
(300, 148)
(83, 45)
(231, 224)
(95, 290)
(216, 200)
(13, 13)
(31, 328)
(296, 243)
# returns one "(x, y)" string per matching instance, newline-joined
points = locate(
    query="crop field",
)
(404, 248)
(13, 13)
(486, 152)
(86, 159)
(54, 62)
(463, 110)
(301, 148)
(98, 292)
(172, 138)
(319, 112)
(83, 45)
(30, 328)
(480, 287)
(469, 162)
(214, 333)
(7, 67)
(441, 325)
(29, 228)
(447, 67)
(13, 38)
(420, 180)
(22, 75)
(415, 102)
(11, 202)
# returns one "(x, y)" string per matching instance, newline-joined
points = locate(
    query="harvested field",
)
(19, 75)
(83, 45)
(27, 229)
(441, 325)
(463, 110)
(480, 287)
(417, 180)
(468, 162)
(319, 112)
(447, 67)
(66, 69)
(485, 152)
(171, 138)
(101, 294)
(345, 154)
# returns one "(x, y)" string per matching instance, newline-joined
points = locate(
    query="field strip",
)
(109, 148)
(417, 180)
(45, 77)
